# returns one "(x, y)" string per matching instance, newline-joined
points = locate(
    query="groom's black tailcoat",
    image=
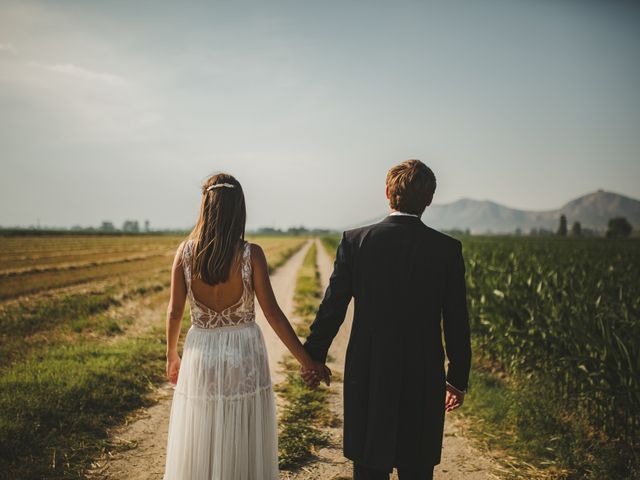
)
(406, 279)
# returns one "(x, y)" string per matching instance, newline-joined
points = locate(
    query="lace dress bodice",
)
(243, 311)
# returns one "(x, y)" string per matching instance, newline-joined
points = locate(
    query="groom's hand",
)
(454, 399)
(316, 373)
(310, 376)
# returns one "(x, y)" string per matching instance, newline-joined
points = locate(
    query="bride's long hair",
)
(219, 231)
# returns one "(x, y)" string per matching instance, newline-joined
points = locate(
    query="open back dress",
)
(222, 424)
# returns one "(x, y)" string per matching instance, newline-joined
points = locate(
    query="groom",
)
(405, 278)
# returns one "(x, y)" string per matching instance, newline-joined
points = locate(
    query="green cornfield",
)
(567, 312)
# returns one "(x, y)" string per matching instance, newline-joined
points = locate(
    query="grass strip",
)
(27, 316)
(25, 272)
(536, 437)
(54, 316)
(281, 256)
(40, 282)
(56, 407)
(330, 244)
(308, 292)
(301, 419)
(306, 410)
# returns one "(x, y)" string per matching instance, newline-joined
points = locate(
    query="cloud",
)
(7, 47)
(71, 70)
(82, 73)
(70, 103)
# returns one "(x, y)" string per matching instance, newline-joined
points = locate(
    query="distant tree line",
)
(618, 227)
(128, 226)
(295, 231)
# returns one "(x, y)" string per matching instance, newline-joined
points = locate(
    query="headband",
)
(220, 185)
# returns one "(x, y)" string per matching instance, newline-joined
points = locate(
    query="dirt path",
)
(460, 458)
(139, 446)
(284, 284)
(330, 463)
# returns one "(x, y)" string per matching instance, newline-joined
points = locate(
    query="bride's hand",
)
(173, 368)
(314, 373)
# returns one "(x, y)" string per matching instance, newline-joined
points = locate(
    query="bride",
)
(223, 418)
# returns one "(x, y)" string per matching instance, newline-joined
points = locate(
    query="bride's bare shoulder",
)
(180, 250)
(257, 254)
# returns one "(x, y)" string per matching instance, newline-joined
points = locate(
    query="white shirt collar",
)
(396, 212)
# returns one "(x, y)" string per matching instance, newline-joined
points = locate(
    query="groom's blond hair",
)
(411, 185)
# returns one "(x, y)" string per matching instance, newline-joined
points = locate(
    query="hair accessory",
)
(220, 185)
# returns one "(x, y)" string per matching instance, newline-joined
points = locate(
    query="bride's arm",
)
(175, 311)
(274, 314)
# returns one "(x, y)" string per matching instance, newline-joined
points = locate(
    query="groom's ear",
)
(386, 191)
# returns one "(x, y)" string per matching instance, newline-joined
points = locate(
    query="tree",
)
(131, 226)
(540, 232)
(562, 229)
(107, 226)
(619, 227)
(576, 229)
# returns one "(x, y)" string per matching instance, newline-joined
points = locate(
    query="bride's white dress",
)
(223, 416)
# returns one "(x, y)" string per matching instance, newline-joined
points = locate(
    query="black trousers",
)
(360, 472)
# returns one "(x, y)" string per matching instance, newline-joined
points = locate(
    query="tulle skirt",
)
(223, 416)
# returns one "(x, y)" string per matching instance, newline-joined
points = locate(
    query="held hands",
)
(173, 367)
(454, 399)
(315, 372)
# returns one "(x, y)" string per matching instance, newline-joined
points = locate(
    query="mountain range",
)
(592, 210)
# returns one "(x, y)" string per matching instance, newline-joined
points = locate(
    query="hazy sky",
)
(120, 109)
